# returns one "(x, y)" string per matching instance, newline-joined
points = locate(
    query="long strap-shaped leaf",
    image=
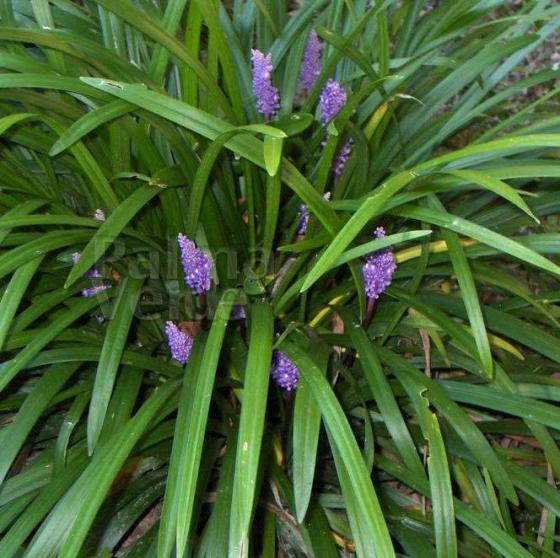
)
(49, 495)
(168, 522)
(494, 185)
(20, 210)
(89, 122)
(171, 18)
(134, 17)
(251, 423)
(373, 204)
(189, 436)
(468, 288)
(215, 538)
(64, 532)
(14, 293)
(496, 537)
(109, 361)
(364, 542)
(504, 323)
(510, 403)
(305, 441)
(91, 354)
(200, 183)
(16, 257)
(484, 235)
(372, 521)
(384, 396)
(412, 379)
(43, 336)
(13, 436)
(110, 229)
(211, 127)
(441, 492)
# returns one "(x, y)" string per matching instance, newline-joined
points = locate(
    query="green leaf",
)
(110, 230)
(89, 122)
(441, 491)
(251, 427)
(534, 486)
(372, 520)
(272, 154)
(470, 297)
(201, 179)
(13, 436)
(19, 211)
(125, 10)
(7, 122)
(14, 293)
(305, 441)
(37, 511)
(215, 539)
(211, 127)
(111, 354)
(509, 403)
(168, 523)
(484, 235)
(379, 244)
(383, 395)
(66, 528)
(409, 375)
(42, 337)
(12, 259)
(189, 435)
(494, 185)
(369, 208)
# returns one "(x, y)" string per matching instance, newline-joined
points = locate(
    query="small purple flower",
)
(266, 95)
(332, 99)
(378, 269)
(303, 216)
(92, 291)
(180, 343)
(197, 265)
(303, 219)
(311, 64)
(91, 274)
(342, 159)
(284, 372)
(238, 312)
(99, 215)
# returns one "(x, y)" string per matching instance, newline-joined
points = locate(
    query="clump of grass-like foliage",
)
(419, 412)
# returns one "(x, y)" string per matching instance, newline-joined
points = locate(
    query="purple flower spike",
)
(197, 265)
(284, 372)
(378, 269)
(238, 312)
(266, 95)
(303, 215)
(332, 99)
(180, 343)
(92, 291)
(342, 159)
(91, 274)
(99, 215)
(303, 219)
(311, 64)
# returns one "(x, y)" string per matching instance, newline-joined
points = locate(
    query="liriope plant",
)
(347, 198)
